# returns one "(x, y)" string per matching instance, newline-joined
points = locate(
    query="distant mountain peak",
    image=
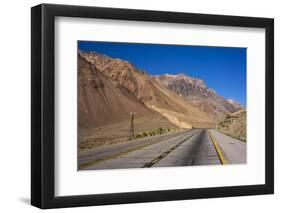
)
(196, 92)
(175, 75)
(232, 101)
(172, 78)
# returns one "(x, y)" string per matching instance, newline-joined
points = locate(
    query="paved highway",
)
(185, 148)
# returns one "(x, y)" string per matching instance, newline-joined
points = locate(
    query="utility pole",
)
(132, 130)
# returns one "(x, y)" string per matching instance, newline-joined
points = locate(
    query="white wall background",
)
(15, 105)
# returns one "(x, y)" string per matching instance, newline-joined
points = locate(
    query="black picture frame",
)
(43, 102)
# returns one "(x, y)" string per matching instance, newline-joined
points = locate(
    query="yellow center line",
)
(91, 163)
(217, 148)
(164, 154)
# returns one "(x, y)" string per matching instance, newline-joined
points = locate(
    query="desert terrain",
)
(120, 104)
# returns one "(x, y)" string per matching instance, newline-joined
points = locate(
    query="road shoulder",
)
(233, 149)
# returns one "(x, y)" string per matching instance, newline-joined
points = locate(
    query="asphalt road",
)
(185, 148)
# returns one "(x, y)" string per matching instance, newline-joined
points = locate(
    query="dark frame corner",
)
(42, 105)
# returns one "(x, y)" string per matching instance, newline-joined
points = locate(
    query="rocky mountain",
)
(234, 125)
(105, 109)
(150, 92)
(100, 101)
(120, 72)
(234, 103)
(195, 92)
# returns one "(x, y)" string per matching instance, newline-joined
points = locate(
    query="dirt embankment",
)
(105, 110)
(235, 125)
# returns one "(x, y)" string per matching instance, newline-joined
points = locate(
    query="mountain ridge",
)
(105, 110)
(149, 91)
(196, 92)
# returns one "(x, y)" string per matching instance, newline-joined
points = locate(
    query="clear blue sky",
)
(222, 68)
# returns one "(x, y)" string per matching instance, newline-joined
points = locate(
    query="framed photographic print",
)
(139, 106)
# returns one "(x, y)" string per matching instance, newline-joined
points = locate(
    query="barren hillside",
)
(149, 91)
(104, 109)
(195, 92)
(235, 125)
